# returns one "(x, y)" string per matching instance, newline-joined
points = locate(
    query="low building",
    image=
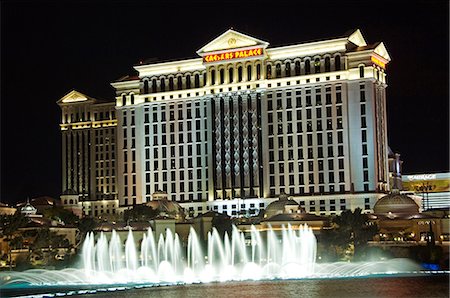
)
(401, 223)
(6, 209)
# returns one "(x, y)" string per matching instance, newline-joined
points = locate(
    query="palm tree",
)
(351, 232)
(9, 225)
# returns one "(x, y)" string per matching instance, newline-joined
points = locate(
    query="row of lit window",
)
(301, 180)
(286, 102)
(181, 82)
(309, 114)
(107, 132)
(243, 207)
(173, 165)
(162, 151)
(178, 186)
(311, 189)
(289, 168)
(309, 139)
(82, 116)
(289, 154)
(288, 127)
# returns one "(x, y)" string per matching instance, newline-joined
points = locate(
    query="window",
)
(278, 70)
(317, 65)
(297, 68)
(327, 64)
(307, 67)
(269, 71)
(249, 73)
(197, 81)
(179, 83)
(366, 175)
(240, 74)
(213, 77)
(188, 82)
(365, 163)
(163, 85)
(363, 109)
(171, 87)
(337, 62)
(258, 71)
(338, 97)
(230, 75)
(146, 86)
(154, 85)
(361, 71)
(222, 76)
(288, 69)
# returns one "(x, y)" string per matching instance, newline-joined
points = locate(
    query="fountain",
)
(286, 253)
(231, 257)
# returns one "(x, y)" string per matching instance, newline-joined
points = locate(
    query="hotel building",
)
(89, 129)
(236, 127)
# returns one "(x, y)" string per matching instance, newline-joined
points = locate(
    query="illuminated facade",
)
(233, 129)
(88, 128)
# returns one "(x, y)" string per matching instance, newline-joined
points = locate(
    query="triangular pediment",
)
(75, 97)
(231, 39)
(357, 38)
(382, 51)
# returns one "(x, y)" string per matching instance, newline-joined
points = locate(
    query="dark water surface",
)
(424, 286)
(433, 285)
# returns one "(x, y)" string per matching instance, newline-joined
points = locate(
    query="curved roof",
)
(172, 209)
(279, 206)
(28, 208)
(396, 203)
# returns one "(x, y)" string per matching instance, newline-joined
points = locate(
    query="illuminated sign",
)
(233, 55)
(426, 183)
(378, 62)
(421, 177)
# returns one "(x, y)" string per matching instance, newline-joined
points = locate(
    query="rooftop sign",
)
(231, 55)
(421, 177)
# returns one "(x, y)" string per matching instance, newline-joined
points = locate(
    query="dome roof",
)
(396, 203)
(280, 206)
(172, 209)
(28, 209)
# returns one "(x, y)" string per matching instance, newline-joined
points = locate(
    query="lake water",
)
(433, 285)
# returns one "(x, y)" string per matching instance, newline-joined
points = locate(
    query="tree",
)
(59, 213)
(140, 213)
(87, 224)
(46, 244)
(222, 223)
(47, 239)
(9, 225)
(351, 231)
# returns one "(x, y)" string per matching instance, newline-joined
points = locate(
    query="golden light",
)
(233, 55)
(378, 62)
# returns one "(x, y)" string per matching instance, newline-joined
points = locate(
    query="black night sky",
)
(49, 48)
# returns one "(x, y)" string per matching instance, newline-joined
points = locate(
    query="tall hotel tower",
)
(232, 130)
